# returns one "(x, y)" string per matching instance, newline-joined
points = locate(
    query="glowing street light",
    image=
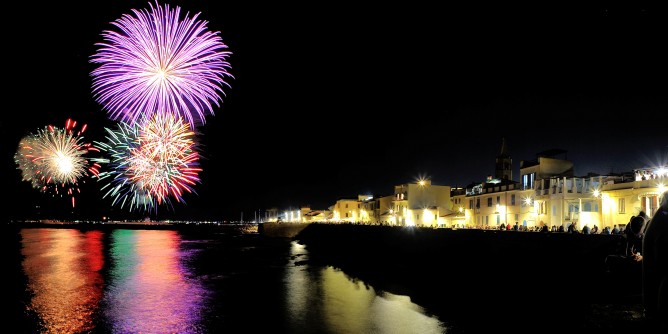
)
(527, 200)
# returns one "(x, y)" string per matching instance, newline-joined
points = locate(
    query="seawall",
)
(425, 250)
(434, 243)
(466, 274)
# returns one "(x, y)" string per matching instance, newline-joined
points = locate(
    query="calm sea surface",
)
(168, 281)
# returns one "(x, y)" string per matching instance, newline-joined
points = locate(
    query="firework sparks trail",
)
(55, 159)
(150, 164)
(159, 62)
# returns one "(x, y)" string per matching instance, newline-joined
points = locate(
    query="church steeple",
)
(504, 163)
(504, 149)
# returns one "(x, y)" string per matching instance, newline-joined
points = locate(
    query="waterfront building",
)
(413, 204)
(497, 201)
(352, 210)
(601, 200)
(385, 209)
(538, 176)
(490, 204)
(624, 197)
(420, 204)
(548, 194)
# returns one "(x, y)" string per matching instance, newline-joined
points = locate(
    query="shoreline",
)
(177, 226)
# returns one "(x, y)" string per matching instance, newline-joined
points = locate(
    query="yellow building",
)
(597, 200)
(354, 210)
(622, 198)
(419, 204)
(491, 204)
(550, 195)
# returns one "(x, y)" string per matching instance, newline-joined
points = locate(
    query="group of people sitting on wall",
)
(616, 229)
(571, 228)
(523, 228)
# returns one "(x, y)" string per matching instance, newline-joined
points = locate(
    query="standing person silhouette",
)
(655, 267)
(634, 235)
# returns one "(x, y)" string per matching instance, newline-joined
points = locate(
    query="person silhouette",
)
(585, 229)
(634, 235)
(627, 264)
(655, 267)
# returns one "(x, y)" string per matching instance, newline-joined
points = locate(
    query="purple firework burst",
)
(160, 62)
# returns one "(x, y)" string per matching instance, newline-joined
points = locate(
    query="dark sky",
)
(332, 100)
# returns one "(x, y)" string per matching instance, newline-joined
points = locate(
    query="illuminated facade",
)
(412, 204)
(354, 210)
(550, 195)
(491, 203)
(419, 204)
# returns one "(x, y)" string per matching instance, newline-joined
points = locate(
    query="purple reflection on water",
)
(149, 289)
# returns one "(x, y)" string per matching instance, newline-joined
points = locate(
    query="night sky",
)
(333, 100)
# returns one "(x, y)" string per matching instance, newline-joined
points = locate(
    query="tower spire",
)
(504, 163)
(504, 149)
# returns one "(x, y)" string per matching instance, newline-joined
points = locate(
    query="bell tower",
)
(504, 163)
